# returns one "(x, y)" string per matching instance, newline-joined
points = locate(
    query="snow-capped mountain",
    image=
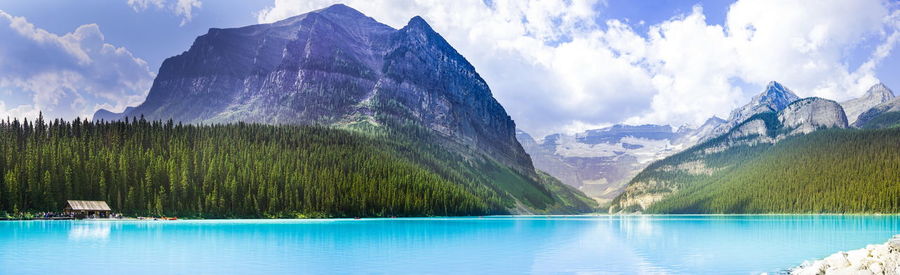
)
(599, 162)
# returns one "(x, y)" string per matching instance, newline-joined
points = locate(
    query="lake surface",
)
(489, 245)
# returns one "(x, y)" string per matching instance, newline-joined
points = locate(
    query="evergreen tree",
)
(145, 167)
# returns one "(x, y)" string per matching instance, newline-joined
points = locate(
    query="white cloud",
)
(19, 112)
(66, 75)
(803, 43)
(555, 68)
(181, 8)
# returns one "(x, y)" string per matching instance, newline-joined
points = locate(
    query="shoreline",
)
(450, 217)
(873, 259)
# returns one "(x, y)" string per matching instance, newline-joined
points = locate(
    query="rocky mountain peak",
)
(889, 106)
(418, 34)
(333, 66)
(879, 92)
(776, 96)
(687, 136)
(337, 11)
(417, 22)
(714, 120)
(419, 29)
(341, 9)
(874, 96)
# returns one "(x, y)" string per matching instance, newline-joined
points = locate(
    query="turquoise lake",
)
(489, 245)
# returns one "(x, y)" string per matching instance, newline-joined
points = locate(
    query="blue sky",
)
(554, 65)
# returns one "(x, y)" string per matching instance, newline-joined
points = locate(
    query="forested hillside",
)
(885, 120)
(827, 171)
(250, 170)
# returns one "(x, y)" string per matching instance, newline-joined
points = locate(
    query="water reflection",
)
(90, 231)
(595, 247)
(489, 245)
(759, 243)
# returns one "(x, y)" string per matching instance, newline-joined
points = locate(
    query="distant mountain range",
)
(340, 68)
(600, 162)
(698, 179)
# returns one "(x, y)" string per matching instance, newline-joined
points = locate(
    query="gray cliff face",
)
(332, 66)
(775, 98)
(809, 114)
(600, 162)
(755, 127)
(800, 117)
(877, 94)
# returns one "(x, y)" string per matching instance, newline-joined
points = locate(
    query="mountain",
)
(544, 159)
(828, 171)
(105, 115)
(877, 94)
(810, 114)
(690, 136)
(881, 115)
(774, 98)
(339, 68)
(727, 152)
(600, 162)
(332, 66)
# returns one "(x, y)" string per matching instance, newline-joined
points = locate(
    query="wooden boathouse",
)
(88, 209)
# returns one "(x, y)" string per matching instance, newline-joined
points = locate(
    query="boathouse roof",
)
(88, 205)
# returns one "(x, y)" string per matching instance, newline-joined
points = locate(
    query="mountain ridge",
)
(892, 106)
(600, 162)
(339, 68)
(669, 175)
(332, 66)
(875, 95)
(774, 98)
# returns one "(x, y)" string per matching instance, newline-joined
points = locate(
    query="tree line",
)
(160, 168)
(827, 171)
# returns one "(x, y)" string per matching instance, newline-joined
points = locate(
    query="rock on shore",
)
(874, 259)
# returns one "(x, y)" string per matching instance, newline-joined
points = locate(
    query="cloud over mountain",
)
(555, 66)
